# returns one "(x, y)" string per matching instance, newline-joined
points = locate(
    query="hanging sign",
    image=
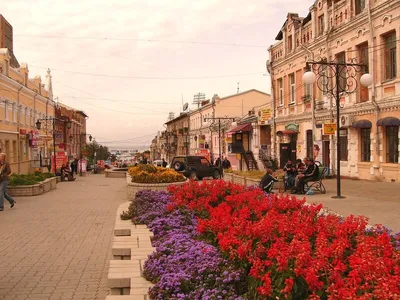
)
(329, 128)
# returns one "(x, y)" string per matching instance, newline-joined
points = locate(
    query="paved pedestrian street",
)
(58, 245)
(379, 201)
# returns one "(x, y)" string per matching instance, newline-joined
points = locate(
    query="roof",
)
(243, 127)
(181, 116)
(245, 92)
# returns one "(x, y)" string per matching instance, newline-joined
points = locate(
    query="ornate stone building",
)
(366, 32)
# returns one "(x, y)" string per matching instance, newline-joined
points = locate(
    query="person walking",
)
(164, 163)
(226, 164)
(5, 172)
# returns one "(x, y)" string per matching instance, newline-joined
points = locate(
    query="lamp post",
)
(219, 136)
(345, 75)
(53, 120)
(81, 136)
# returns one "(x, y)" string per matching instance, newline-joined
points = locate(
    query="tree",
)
(101, 151)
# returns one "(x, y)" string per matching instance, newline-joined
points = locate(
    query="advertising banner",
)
(61, 158)
(82, 164)
(265, 116)
(329, 128)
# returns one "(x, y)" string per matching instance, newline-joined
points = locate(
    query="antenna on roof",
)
(238, 88)
(198, 98)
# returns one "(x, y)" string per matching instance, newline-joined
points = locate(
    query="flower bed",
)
(29, 179)
(263, 247)
(31, 185)
(291, 250)
(150, 177)
(183, 267)
(153, 174)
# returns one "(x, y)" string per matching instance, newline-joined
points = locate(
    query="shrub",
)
(153, 174)
(29, 179)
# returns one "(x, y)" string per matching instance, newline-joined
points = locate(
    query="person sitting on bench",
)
(310, 174)
(66, 172)
(267, 182)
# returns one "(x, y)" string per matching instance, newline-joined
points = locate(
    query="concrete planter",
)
(252, 182)
(134, 187)
(33, 190)
(228, 177)
(116, 173)
(238, 179)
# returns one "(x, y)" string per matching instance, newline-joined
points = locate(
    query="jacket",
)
(5, 171)
(312, 171)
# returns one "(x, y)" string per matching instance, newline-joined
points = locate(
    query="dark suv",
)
(195, 167)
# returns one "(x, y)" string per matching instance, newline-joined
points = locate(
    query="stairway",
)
(250, 160)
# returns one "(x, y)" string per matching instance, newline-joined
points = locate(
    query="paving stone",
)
(61, 241)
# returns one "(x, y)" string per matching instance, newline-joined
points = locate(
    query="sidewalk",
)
(379, 201)
(58, 245)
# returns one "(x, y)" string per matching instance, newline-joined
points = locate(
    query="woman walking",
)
(5, 171)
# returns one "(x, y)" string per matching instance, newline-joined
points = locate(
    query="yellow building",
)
(23, 101)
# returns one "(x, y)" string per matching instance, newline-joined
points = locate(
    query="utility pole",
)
(198, 98)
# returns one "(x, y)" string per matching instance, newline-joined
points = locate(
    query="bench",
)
(317, 185)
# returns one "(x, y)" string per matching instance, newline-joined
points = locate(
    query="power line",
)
(139, 40)
(147, 78)
(117, 100)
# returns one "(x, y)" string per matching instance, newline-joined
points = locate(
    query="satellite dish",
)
(185, 106)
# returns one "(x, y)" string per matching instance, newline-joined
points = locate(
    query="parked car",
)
(158, 163)
(195, 167)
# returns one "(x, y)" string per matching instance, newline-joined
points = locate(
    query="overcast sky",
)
(191, 51)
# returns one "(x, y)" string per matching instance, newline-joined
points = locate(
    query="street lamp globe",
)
(366, 80)
(38, 125)
(234, 124)
(309, 77)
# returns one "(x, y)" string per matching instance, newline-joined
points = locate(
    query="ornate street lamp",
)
(345, 82)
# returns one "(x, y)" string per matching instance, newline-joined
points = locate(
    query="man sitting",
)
(267, 182)
(310, 174)
(291, 173)
(66, 172)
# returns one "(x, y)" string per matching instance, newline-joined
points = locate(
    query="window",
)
(26, 116)
(365, 144)
(6, 110)
(321, 25)
(280, 90)
(13, 112)
(392, 144)
(363, 55)
(309, 139)
(31, 120)
(390, 56)
(343, 145)
(289, 43)
(360, 5)
(292, 89)
(341, 58)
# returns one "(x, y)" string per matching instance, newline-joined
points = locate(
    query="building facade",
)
(22, 102)
(357, 31)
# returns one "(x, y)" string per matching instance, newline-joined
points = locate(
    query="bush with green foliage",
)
(29, 179)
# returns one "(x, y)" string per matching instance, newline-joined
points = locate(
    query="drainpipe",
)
(273, 134)
(372, 72)
(18, 128)
(312, 99)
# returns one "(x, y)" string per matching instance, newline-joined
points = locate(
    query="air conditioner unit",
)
(346, 121)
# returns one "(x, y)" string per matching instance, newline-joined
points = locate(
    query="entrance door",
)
(285, 153)
(326, 151)
(293, 147)
(246, 141)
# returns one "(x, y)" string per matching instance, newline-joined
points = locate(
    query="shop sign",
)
(22, 131)
(202, 141)
(265, 115)
(329, 128)
(293, 127)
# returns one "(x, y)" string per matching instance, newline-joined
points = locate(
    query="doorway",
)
(285, 152)
(326, 152)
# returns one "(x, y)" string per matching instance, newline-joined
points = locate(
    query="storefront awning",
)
(362, 124)
(283, 132)
(242, 128)
(388, 121)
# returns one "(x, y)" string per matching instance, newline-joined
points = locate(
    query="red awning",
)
(241, 128)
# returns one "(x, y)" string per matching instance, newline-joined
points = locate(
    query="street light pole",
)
(346, 82)
(219, 138)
